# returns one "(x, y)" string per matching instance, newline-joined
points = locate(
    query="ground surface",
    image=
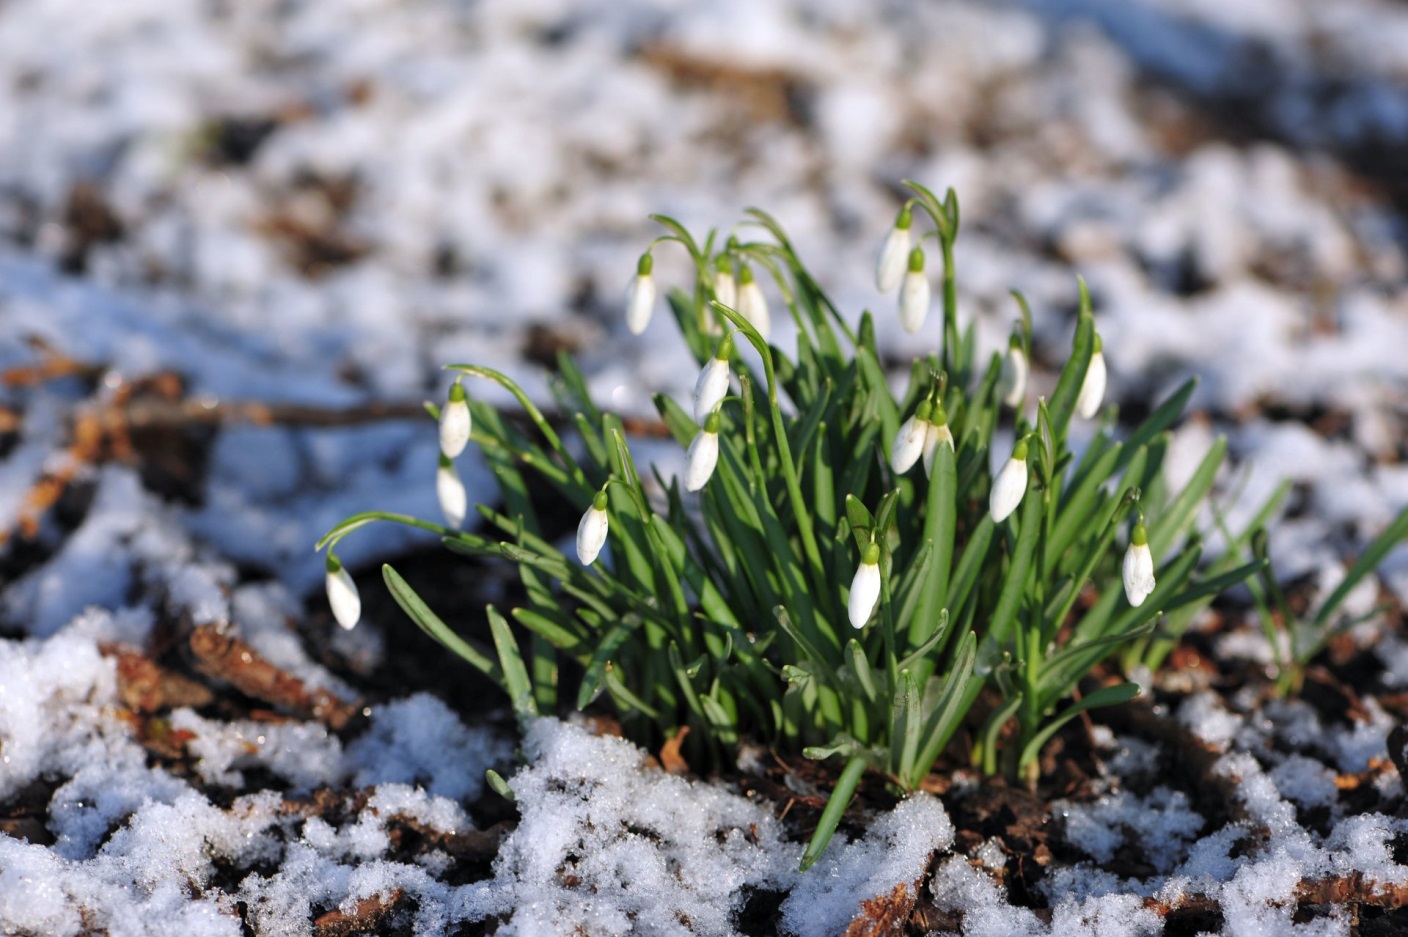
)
(238, 241)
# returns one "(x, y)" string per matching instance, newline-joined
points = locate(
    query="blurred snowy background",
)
(321, 203)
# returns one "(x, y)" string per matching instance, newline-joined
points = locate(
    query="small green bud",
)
(599, 500)
(871, 556)
(645, 264)
(916, 260)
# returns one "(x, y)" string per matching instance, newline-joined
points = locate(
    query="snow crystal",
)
(1160, 824)
(420, 740)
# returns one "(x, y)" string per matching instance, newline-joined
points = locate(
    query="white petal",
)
(699, 462)
(454, 427)
(1012, 383)
(1138, 574)
(1092, 389)
(865, 592)
(726, 289)
(453, 499)
(908, 445)
(591, 535)
(914, 300)
(935, 435)
(640, 303)
(1008, 489)
(343, 597)
(710, 388)
(753, 306)
(894, 259)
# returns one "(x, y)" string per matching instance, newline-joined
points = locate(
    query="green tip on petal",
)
(871, 556)
(645, 264)
(1019, 451)
(916, 260)
(905, 218)
(333, 564)
(1141, 536)
(745, 274)
(725, 349)
(711, 423)
(457, 392)
(599, 500)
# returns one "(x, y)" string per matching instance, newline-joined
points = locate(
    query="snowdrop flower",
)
(703, 454)
(752, 304)
(640, 297)
(1012, 382)
(909, 441)
(938, 432)
(712, 385)
(450, 490)
(1092, 389)
(1010, 484)
(1138, 568)
(894, 253)
(342, 594)
(591, 531)
(865, 587)
(725, 286)
(914, 293)
(454, 422)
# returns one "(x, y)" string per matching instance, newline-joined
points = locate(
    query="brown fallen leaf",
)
(145, 686)
(361, 920)
(884, 915)
(670, 758)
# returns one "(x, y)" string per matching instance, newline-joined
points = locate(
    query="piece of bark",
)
(224, 656)
(885, 915)
(145, 686)
(361, 920)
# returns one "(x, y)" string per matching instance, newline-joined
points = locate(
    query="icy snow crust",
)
(486, 168)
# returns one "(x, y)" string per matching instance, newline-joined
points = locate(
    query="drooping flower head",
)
(1010, 484)
(454, 422)
(592, 530)
(703, 454)
(894, 254)
(937, 434)
(454, 501)
(725, 286)
(752, 304)
(914, 293)
(865, 587)
(1092, 389)
(712, 383)
(1012, 382)
(909, 441)
(640, 297)
(343, 597)
(1138, 569)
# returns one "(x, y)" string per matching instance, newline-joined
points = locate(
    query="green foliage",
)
(729, 611)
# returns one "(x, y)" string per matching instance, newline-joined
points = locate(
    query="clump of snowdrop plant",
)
(800, 584)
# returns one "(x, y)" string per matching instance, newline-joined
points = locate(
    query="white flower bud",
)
(343, 597)
(712, 384)
(454, 502)
(938, 432)
(1138, 568)
(703, 455)
(1092, 389)
(1012, 382)
(894, 255)
(752, 304)
(914, 294)
(1010, 484)
(591, 531)
(454, 422)
(640, 297)
(725, 286)
(865, 588)
(909, 441)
